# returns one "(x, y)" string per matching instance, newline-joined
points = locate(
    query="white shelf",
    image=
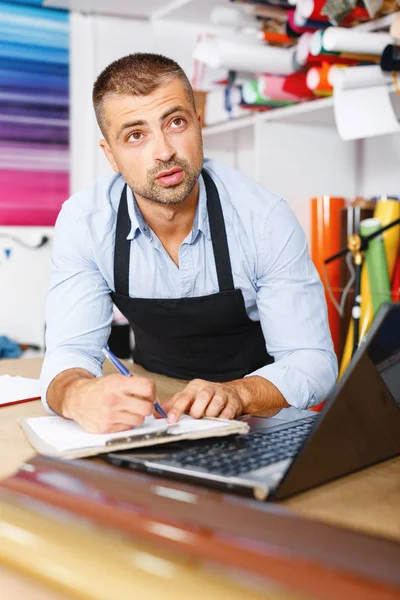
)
(316, 113)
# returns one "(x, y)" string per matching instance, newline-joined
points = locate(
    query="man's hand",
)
(103, 404)
(200, 398)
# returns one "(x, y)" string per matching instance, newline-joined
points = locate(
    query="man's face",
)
(155, 142)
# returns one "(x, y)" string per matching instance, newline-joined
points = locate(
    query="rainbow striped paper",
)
(34, 113)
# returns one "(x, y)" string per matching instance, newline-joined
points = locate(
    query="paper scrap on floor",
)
(18, 389)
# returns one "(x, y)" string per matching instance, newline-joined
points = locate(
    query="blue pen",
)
(124, 371)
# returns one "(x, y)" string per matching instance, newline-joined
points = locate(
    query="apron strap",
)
(122, 247)
(218, 238)
(218, 235)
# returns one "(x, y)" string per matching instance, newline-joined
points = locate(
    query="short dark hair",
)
(137, 75)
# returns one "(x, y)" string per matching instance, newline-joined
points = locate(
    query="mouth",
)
(172, 177)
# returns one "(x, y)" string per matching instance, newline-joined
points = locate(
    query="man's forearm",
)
(258, 395)
(63, 387)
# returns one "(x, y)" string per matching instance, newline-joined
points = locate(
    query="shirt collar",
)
(138, 223)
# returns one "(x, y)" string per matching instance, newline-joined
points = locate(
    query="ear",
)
(109, 155)
(199, 115)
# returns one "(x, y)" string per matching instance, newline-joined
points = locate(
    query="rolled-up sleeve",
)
(292, 312)
(78, 304)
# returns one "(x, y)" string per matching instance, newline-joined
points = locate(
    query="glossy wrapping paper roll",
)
(320, 49)
(287, 89)
(340, 39)
(325, 241)
(375, 258)
(396, 282)
(304, 57)
(386, 211)
(252, 96)
(357, 77)
(235, 55)
(318, 80)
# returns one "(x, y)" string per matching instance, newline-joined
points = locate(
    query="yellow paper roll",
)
(386, 211)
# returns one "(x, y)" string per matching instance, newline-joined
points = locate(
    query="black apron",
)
(208, 337)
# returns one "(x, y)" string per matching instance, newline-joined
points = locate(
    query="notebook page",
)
(13, 389)
(65, 435)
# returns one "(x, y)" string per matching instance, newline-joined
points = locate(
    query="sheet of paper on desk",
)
(66, 435)
(18, 389)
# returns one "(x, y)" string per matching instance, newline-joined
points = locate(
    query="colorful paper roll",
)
(396, 282)
(288, 89)
(225, 53)
(386, 211)
(340, 39)
(375, 257)
(318, 80)
(325, 241)
(357, 77)
(251, 95)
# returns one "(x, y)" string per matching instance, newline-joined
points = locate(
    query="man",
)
(211, 270)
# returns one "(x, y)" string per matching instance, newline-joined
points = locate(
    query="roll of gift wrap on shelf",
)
(375, 257)
(386, 211)
(239, 56)
(251, 95)
(303, 55)
(340, 39)
(319, 79)
(277, 87)
(357, 77)
(390, 60)
(396, 282)
(325, 241)
(319, 49)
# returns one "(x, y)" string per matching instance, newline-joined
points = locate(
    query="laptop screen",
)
(384, 351)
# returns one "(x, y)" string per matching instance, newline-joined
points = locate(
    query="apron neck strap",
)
(218, 235)
(218, 238)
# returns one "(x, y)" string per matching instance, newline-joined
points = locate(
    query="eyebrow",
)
(140, 122)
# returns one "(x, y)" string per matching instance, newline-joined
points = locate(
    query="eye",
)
(135, 136)
(178, 122)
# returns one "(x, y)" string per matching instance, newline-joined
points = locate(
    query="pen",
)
(124, 371)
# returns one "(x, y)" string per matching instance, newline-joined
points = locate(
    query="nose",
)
(163, 150)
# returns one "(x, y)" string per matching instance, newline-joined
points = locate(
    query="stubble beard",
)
(173, 195)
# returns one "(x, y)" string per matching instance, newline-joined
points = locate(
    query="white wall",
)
(23, 284)
(380, 160)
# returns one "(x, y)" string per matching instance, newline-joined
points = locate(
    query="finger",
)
(182, 403)
(139, 386)
(230, 411)
(123, 417)
(137, 406)
(216, 405)
(200, 403)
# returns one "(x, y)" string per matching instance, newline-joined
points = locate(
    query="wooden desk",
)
(366, 501)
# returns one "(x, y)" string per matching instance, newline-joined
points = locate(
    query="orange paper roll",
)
(325, 241)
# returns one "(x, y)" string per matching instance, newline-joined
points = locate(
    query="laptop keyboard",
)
(235, 455)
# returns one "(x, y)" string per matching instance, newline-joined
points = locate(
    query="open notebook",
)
(56, 436)
(14, 390)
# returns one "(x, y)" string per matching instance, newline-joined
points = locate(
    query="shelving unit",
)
(315, 113)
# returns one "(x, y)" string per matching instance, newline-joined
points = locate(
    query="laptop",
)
(294, 450)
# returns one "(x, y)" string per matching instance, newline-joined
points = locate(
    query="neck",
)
(170, 220)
